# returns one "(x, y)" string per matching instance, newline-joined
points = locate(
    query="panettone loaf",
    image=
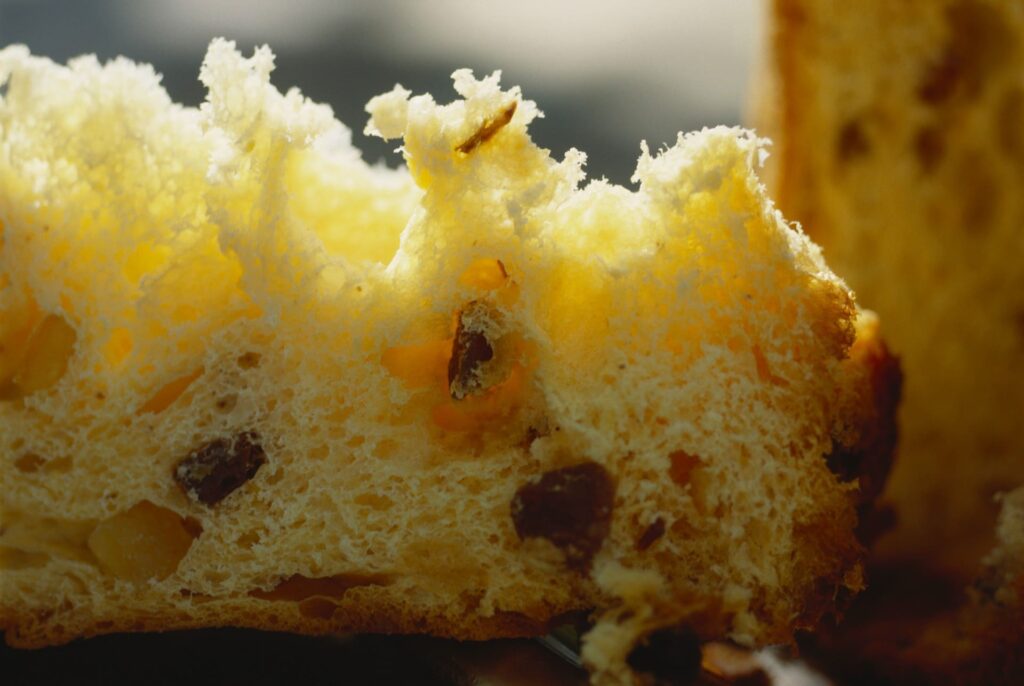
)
(250, 380)
(899, 146)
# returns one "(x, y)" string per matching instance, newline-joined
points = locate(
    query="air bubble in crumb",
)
(249, 360)
(248, 539)
(29, 463)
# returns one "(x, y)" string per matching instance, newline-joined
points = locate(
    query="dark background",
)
(606, 74)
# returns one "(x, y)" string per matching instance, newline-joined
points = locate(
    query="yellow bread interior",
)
(178, 283)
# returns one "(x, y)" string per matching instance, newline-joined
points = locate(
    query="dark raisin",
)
(651, 534)
(211, 473)
(670, 656)
(845, 462)
(571, 507)
(470, 350)
(488, 129)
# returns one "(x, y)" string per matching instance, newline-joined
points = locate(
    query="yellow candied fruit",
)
(419, 365)
(145, 542)
(488, 274)
(485, 274)
(494, 406)
(163, 398)
(46, 359)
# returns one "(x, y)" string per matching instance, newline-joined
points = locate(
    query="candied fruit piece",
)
(211, 473)
(485, 274)
(144, 542)
(670, 656)
(49, 350)
(491, 407)
(163, 398)
(571, 507)
(681, 466)
(418, 365)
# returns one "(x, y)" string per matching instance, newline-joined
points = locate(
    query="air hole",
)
(852, 142)
(317, 608)
(298, 587)
(682, 465)
(15, 558)
(249, 360)
(29, 463)
(929, 147)
(248, 539)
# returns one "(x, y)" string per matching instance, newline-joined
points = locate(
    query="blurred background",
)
(606, 74)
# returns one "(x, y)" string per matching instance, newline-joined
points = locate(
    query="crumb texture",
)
(248, 379)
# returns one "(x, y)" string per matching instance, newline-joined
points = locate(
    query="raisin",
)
(670, 656)
(211, 473)
(571, 507)
(651, 534)
(488, 129)
(470, 350)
